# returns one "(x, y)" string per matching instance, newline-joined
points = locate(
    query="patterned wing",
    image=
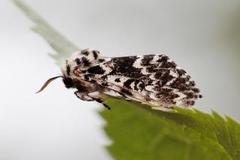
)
(153, 79)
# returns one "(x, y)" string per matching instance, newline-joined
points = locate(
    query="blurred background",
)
(203, 37)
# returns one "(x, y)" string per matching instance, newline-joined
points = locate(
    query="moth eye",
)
(78, 61)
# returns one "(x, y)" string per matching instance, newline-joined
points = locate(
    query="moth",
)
(155, 80)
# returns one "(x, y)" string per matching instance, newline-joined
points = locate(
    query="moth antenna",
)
(47, 83)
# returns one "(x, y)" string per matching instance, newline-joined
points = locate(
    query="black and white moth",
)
(150, 79)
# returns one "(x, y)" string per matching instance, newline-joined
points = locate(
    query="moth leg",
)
(83, 97)
(97, 97)
(125, 97)
(105, 105)
(94, 96)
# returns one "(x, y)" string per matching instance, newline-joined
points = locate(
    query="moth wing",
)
(153, 79)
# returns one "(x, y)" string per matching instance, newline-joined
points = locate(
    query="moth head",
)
(82, 60)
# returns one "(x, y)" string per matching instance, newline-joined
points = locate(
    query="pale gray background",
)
(202, 36)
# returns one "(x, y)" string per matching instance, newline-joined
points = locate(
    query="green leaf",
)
(140, 133)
